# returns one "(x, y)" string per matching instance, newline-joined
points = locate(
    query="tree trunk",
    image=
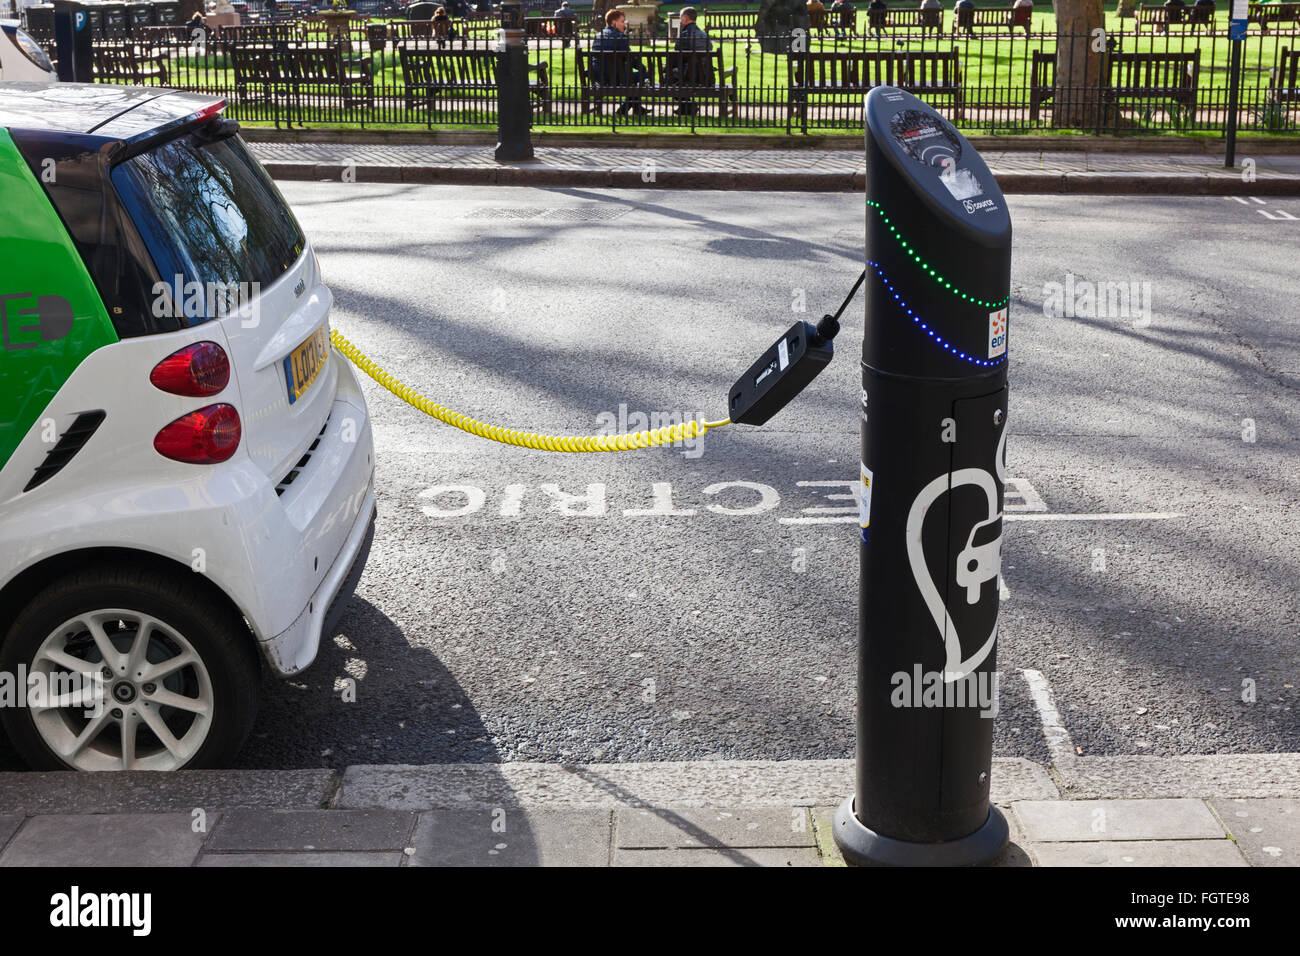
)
(1080, 58)
(1126, 9)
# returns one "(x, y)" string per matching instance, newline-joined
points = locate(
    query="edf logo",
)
(997, 333)
(50, 321)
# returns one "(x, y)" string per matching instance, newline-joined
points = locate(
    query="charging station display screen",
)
(928, 139)
(929, 152)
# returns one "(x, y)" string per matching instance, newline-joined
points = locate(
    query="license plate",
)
(304, 363)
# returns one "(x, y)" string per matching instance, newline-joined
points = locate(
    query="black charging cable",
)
(829, 326)
(787, 367)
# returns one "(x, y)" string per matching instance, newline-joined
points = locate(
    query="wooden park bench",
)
(931, 73)
(927, 73)
(836, 20)
(428, 72)
(119, 62)
(282, 72)
(1284, 84)
(728, 21)
(1161, 18)
(1273, 13)
(1153, 76)
(401, 30)
(986, 18)
(671, 75)
(1133, 76)
(1042, 81)
(834, 74)
(923, 20)
(1201, 16)
(262, 32)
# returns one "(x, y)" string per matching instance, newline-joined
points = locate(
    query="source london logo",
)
(997, 333)
(972, 206)
(76, 909)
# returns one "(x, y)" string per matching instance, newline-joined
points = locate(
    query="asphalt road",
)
(503, 616)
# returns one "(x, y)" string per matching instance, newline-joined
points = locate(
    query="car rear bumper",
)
(294, 649)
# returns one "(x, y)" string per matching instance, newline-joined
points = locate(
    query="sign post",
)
(1236, 34)
(934, 407)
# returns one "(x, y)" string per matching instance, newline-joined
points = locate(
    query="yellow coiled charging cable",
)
(667, 435)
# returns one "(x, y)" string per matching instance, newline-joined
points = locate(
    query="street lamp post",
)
(514, 112)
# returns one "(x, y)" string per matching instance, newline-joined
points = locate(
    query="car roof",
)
(113, 112)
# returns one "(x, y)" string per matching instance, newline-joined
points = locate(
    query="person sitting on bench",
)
(618, 70)
(877, 11)
(841, 12)
(932, 16)
(691, 39)
(965, 14)
(1022, 12)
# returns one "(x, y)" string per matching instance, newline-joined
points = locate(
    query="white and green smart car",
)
(186, 465)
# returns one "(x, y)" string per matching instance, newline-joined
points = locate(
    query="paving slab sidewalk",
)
(725, 813)
(1019, 171)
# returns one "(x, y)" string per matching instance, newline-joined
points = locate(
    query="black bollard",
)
(514, 111)
(934, 406)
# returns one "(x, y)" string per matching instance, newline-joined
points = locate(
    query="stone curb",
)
(699, 784)
(181, 792)
(1225, 776)
(1077, 183)
(727, 783)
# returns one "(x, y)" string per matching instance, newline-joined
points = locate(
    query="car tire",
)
(195, 713)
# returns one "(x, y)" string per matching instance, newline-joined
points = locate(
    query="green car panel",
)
(51, 315)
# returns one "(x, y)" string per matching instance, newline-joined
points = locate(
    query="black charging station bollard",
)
(934, 405)
(72, 42)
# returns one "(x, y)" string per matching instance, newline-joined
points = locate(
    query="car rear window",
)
(209, 213)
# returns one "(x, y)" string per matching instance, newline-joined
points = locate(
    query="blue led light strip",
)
(872, 204)
(925, 326)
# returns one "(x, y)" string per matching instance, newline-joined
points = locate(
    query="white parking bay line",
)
(1099, 516)
(1058, 739)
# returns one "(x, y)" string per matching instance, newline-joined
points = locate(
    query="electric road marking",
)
(732, 499)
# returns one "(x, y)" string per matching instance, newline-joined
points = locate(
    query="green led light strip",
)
(926, 268)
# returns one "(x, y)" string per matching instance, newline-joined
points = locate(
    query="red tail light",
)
(206, 437)
(199, 370)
